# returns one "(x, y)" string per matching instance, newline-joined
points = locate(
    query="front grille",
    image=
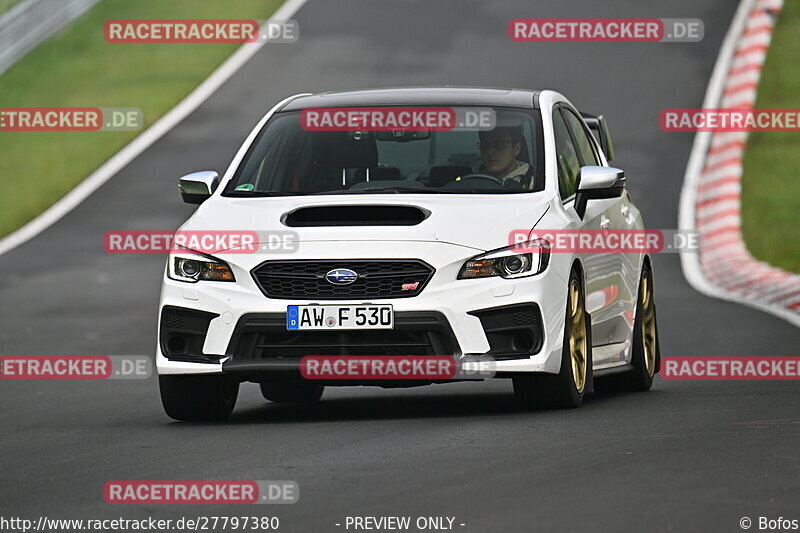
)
(296, 345)
(264, 336)
(379, 278)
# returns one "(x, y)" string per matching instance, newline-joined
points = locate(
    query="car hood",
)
(478, 221)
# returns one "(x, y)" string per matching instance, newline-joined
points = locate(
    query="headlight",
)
(519, 261)
(189, 266)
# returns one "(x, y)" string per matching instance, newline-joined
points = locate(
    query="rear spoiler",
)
(599, 128)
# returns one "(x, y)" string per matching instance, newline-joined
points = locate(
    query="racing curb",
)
(711, 196)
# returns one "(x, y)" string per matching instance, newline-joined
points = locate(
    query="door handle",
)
(625, 210)
(605, 222)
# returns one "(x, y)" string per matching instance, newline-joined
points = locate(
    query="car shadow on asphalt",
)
(440, 405)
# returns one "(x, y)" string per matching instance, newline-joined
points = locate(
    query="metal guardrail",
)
(29, 23)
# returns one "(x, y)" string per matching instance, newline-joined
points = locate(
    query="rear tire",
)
(198, 398)
(566, 389)
(291, 392)
(646, 353)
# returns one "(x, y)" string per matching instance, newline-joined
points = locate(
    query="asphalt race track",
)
(687, 456)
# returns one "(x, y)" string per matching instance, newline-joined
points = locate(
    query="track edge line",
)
(140, 143)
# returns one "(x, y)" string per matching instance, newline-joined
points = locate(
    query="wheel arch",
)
(578, 266)
(647, 260)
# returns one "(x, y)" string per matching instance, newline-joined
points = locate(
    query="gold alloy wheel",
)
(648, 322)
(577, 335)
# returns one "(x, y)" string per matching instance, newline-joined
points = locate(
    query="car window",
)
(568, 163)
(581, 136)
(290, 159)
(408, 157)
(441, 148)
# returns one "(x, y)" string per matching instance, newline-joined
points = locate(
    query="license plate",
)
(322, 317)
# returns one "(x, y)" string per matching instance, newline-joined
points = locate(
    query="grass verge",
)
(771, 181)
(78, 68)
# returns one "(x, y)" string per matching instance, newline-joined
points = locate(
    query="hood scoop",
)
(355, 215)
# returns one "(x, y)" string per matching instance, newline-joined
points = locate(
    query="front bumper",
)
(459, 317)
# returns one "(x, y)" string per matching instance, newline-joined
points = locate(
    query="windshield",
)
(290, 158)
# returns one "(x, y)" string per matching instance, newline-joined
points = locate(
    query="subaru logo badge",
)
(341, 276)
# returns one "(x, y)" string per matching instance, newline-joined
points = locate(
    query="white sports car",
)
(395, 238)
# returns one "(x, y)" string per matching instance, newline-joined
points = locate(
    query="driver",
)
(499, 150)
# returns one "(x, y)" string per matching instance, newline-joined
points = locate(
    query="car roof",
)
(421, 96)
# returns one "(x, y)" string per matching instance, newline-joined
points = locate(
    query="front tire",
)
(198, 398)
(566, 389)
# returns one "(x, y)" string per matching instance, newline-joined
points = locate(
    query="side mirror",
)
(198, 186)
(595, 183)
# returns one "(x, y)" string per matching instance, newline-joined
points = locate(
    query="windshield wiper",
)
(378, 190)
(259, 194)
(487, 191)
(375, 190)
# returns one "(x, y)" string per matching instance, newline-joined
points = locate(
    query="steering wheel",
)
(477, 177)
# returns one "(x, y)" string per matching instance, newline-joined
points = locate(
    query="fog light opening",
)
(522, 342)
(177, 345)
